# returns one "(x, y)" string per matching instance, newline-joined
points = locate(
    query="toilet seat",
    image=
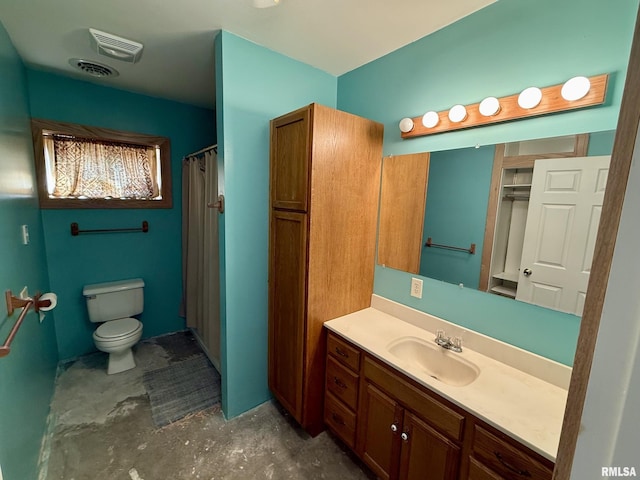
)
(117, 329)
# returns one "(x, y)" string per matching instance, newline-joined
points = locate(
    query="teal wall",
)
(85, 259)
(254, 85)
(27, 373)
(456, 212)
(497, 51)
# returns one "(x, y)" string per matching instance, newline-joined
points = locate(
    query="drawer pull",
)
(339, 382)
(341, 352)
(337, 418)
(522, 473)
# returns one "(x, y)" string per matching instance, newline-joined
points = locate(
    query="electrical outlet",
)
(416, 287)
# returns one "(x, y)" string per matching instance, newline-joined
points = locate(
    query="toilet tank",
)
(113, 300)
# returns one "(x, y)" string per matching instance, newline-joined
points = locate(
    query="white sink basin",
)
(437, 362)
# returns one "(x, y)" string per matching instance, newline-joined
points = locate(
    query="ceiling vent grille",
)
(115, 47)
(94, 69)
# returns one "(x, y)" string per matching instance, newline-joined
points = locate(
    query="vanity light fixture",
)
(430, 119)
(406, 125)
(489, 107)
(578, 92)
(575, 88)
(530, 97)
(457, 113)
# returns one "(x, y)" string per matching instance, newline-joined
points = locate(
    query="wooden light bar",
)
(552, 102)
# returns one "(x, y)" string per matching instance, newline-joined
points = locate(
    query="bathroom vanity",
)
(411, 409)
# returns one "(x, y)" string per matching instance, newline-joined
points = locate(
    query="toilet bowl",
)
(112, 304)
(116, 338)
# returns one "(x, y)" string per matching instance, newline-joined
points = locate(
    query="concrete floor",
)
(102, 430)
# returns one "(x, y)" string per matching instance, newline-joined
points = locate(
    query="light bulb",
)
(406, 125)
(457, 113)
(489, 107)
(430, 119)
(575, 88)
(530, 97)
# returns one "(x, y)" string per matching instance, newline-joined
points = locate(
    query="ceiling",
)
(177, 62)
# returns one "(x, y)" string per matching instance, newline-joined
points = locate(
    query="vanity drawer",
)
(440, 416)
(343, 352)
(340, 419)
(342, 382)
(478, 471)
(507, 459)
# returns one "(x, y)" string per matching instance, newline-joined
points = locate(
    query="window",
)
(88, 167)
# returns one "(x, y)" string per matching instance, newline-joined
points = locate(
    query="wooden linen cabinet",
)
(324, 183)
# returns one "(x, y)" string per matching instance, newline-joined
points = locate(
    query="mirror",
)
(471, 206)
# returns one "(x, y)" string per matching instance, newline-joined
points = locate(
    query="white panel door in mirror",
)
(564, 214)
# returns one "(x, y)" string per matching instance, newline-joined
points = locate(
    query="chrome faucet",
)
(453, 344)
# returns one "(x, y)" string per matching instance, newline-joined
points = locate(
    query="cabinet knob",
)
(404, 436)
(394, 427)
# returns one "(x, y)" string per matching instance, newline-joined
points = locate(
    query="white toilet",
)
(113, 304)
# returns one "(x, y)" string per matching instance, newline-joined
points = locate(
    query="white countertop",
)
(522, 405)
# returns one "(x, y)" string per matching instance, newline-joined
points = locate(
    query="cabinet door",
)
(402, 204)
(426, 454)
(290, 156)
(381, 419)
(562, 223)
(287, 287)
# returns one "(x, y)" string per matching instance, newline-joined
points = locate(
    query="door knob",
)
(527, 272)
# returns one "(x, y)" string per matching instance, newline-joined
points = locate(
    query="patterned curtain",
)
(93, 169)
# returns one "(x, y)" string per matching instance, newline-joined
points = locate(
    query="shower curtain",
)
(200, 260)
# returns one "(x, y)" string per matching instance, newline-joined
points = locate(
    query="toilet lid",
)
(118, 328)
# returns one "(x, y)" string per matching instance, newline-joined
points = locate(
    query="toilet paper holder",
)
(14, 303)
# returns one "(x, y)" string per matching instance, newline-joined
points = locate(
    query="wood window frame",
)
(40, 127)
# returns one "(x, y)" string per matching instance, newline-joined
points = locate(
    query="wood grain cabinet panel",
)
(381, 421)
(325, 168)
(402, 206)
(287, 310)
(426, 454)
(397, 444)
(507, 459)
(290, 161)
(343, 352)
(340, 419)
(342, 382)
(478, 471)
